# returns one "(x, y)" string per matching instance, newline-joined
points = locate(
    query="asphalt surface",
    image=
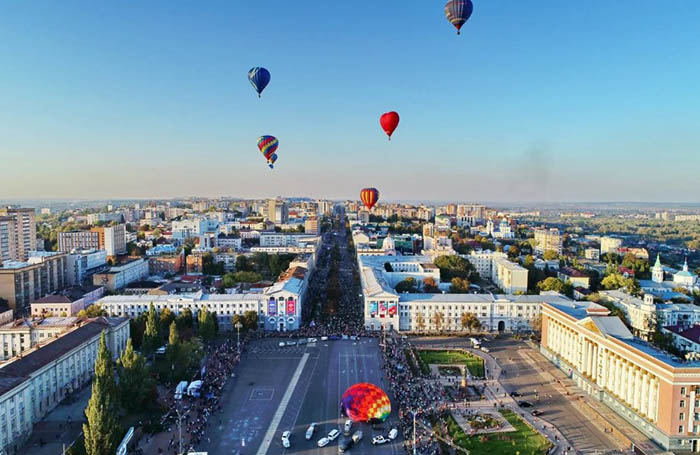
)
(254, 399)
(521, 377)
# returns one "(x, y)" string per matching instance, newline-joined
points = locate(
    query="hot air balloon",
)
(365, 402)
(458, 12)
(389, 121)
(259, 77)
(369, 197)
(268, 145)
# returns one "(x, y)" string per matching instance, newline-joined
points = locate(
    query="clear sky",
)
(536, 100)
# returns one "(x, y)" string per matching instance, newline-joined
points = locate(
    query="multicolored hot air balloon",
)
(259, 77)
(458, 12)
(365, 402)
(369, 197)
(268, 145)
(389, 121)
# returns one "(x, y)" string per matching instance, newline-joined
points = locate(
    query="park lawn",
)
(523, 441)
(474, 364)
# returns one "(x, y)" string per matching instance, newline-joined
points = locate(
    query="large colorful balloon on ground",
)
(259, 77)
(389, 121)
(268, 145)
(458, 12)
(369, 197)
(365, 402)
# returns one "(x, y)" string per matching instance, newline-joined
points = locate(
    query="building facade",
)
(24, 231)
(119, 276)
(78, 240)
(22, 282)
(656, 393)
(8, 250)
(83, 264)
(548, 239)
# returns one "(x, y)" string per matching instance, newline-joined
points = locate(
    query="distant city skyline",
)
(551, 101)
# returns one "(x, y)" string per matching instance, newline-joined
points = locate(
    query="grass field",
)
(474, 364)
(523, 441)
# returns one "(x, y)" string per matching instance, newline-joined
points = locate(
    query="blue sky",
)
(544, 100)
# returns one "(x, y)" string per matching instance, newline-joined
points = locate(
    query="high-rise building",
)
(78, 240)
(24, 231)
(609, 244)
(8, 252)
(312, 225)
(22, 282)
(111, 239)
(548, 239)
(277, 211)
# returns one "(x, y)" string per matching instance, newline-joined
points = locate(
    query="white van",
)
(180, 390)
(194, 389)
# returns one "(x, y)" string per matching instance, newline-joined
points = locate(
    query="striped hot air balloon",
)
(369, 197)
(458, 12)
(259, 77)
(365, 402)
(268, 146)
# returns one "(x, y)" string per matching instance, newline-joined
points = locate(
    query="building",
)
(170, 264)
(112, 239)
(507, 275)
(8, 250)
(641, 313)
(23, 334)
(81, 265)
(312, 225)
(609, 244)
(78, 240)
(22, 282)
(385, 308)
(278, 211)
(548, 239)
(574, 276)
(68, 302)
(592, 254)
(24, 231)
(686, 339)
(194, 263)
(119, 276)
(272, 239)
(33, 385)
(228, 241)
(667, 289)
(651, 390)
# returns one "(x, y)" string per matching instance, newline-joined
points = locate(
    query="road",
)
(273, 393)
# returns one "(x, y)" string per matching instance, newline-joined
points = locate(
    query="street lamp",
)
(238, 326)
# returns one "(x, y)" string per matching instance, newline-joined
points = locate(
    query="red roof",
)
(692, 333)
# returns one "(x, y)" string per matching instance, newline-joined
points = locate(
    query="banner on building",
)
(291, 307)
(373, 309)
(393, 308)
(382, 308)
(272, 307)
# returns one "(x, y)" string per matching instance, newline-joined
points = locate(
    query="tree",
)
(166, 317)
(468, 321)
(438, 320)
(453, 266)
(513, 252)
(151, 336)
(93, 311)
(184, 320)
(429, 285)
(550, 255)
(555, 284)
(617, 281)
(250, 320)
(242, 264)
(420, 322)
(536, 323)
(459, 285)
(101, 432)
(407, 285)
(475, 324)
(206, 324)
(134, 378)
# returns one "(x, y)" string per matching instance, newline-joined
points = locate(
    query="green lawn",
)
(522, 441)
(474, 364)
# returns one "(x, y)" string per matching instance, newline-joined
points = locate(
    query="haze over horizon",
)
(547, 102)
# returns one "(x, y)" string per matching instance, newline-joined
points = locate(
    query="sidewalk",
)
(54, 430)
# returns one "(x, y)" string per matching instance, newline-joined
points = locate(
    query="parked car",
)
(357, 436)
(393, 433)
(324, 338)
(333, 435)
(291, 343)
(536, 412)
(516, 394)
(323, 442)
(310, 431)
(344, 444)
(312, 340)
(285, 439)
(524, 404)
(281, 344)
(347, 427)
(379, 439)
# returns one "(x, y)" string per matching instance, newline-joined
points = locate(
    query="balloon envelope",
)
(369, 197)
(458, 12)
(365, 402)
(259, 77)
(389, 121)
(268, 146)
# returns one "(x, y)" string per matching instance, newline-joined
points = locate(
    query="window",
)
(680, 428)
(682, 403)
(682, 390)
(681, 416)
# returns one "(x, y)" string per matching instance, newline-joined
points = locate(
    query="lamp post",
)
(414, 431)
(238, 326)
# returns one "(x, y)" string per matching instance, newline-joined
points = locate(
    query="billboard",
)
(382, 308)
(272, 307)
(373, 309)
(393, 308)
(291, 307)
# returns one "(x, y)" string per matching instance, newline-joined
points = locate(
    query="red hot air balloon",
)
(369, 197)
(389, 122)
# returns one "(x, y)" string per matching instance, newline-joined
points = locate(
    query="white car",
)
(310, 431)
(393, 433)
(333, 435)
(285, 439)
(312, 340)
(323, 442)
(281, 344)
(324, 338)
(379, 440)
(347, 427)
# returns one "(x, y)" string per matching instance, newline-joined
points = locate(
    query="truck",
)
(475, 342)
(180, 390)
(194, 389)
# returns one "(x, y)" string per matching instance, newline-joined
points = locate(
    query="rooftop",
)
(692, 333)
